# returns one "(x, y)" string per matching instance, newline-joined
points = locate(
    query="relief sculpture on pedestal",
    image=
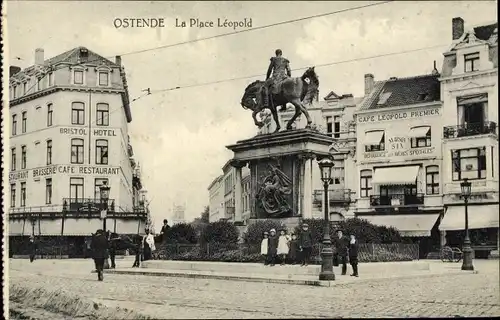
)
(274, 188)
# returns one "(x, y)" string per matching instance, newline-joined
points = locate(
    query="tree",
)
(205, 214)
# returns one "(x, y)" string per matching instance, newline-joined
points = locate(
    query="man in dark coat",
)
(272, 249)
(164, 230)
(341, 246)
(353, 255)
(305, 244)
(137, 239)
(99, 248)
(113, 244)
(32, 248)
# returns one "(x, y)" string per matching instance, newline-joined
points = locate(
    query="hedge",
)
(255, 231)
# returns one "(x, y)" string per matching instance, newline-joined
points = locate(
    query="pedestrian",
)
(100, 252)
(353, 255)
(32, 248)
(272, 248)
(264, 246)
(148, 245)
(164, 230)
(283, 246)
(341, 245)
(113, 246)
(292, 254)
(137, 247)
(305, 244)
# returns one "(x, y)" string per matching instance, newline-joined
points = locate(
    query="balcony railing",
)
(334, 196)
(87, 205)
(470, 129)
(397, 200)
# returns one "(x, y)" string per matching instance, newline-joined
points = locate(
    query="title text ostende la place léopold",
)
(225, 23)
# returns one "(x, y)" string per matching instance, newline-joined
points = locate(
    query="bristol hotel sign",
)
(399, 135)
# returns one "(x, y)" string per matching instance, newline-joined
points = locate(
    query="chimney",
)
(39, 57)
(457, 28)
(13, 70)
(118, 60)
(369, 81)
(435, 71)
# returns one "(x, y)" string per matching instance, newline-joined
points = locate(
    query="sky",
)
(179, 136)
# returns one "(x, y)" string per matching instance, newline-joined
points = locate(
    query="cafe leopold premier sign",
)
(398, 135)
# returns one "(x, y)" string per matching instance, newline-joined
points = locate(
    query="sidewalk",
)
(297, 275)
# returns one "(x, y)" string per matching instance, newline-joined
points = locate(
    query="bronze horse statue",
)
(295, 90)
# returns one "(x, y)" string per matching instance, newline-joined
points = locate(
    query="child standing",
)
(283, 246)
(263, 247)
(305, 244)
(272, 248)
(292, 254)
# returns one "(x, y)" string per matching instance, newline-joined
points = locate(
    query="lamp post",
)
(326, 273)
(104, 193)
(467, 259)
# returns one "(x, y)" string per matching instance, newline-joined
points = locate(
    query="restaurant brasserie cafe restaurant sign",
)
(64, 170)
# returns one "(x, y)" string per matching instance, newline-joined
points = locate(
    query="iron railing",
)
(470, 129)
(397, 200)
(87, 205)
(334, 196)
(366, 251)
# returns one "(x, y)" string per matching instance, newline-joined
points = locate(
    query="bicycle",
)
(451, 254)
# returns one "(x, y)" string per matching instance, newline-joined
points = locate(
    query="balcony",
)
(87, 205)
(471, 129)
(397, 200)
(334, 196)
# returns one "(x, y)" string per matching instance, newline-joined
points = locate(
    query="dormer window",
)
(38, 84)
(25, 87)
(103, 75)
(50, 79)
(78, 76)
(14, 92)
(103, 78)
(471, 62)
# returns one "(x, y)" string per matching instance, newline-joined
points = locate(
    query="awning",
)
(396, 175)
(419, 132)
(373, 138)
(485, 216)
(477, 98)
(408, 225)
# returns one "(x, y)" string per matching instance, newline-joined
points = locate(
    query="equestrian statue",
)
(279, 89)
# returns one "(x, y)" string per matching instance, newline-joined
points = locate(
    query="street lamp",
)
(104, 193)
(467, 260)
(326, 166)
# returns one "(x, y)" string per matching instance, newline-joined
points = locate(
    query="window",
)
(366, 183)
(76, 189)
(25, 88)
(329, 125)
(77, 151)
(103, 78)
(23, 194)
(49, 114)
(13, 159)
(49, 152)
(39, 84)
(471, 62)
(48, 191)
(492, 162)
(12, 195)
(51, 79)
(23, 157)
(102, 117)
(78, 77)
(14, 92)
(101, 151)
(375, 141)
(422, 138)
(338, 172)
(24, 122)
(97, 187)
(14, 124)
(432, 180)
(336, 127)
(77, 113)
(469, 163)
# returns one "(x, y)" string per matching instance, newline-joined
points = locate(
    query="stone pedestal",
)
(286, 159)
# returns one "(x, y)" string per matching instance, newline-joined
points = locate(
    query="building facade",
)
(68, 130)
(216, 199)
(469, 89)
(399, 158)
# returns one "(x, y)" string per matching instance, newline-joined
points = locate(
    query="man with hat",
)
(32, 248)
(99, 247)
(272, 248)
(341, 246)
(305, 244)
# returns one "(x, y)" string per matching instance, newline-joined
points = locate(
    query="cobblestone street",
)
(161, 297)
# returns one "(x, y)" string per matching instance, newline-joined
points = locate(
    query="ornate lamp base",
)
(467, 262)
(326, 273)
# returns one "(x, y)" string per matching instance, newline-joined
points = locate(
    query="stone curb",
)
(281, 281)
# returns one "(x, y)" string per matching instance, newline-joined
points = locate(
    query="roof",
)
(71, 57)
(397, 92)
(485, 32)
(214, 181)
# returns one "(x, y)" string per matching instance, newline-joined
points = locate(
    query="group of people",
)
(297, 248)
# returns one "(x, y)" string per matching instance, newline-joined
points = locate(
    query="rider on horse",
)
(280, 69)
